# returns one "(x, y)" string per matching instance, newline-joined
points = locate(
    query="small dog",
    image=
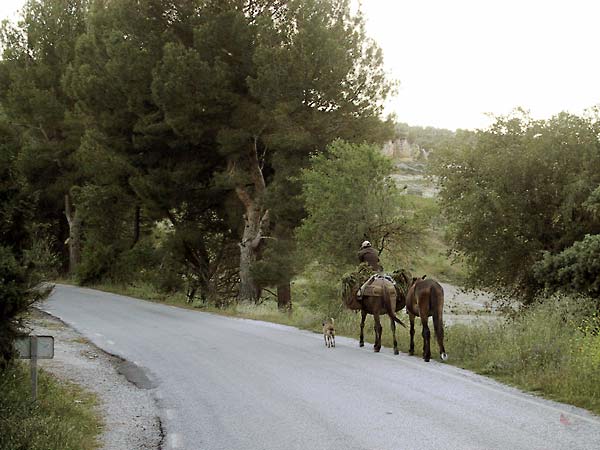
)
(329, 333)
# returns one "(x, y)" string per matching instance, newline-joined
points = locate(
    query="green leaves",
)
(349, 197)
(518, 190)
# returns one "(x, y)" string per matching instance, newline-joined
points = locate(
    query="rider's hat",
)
(365, 244)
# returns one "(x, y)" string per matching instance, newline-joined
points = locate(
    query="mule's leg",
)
(333, 340)
(438, 324)
(393, 327)
(411, 318)
(361, 342)
(326, 343)
(378, 329)
(426, 339)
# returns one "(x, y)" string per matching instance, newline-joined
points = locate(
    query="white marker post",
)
(34, 348)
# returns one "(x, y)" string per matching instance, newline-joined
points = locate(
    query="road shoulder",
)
(130, 414)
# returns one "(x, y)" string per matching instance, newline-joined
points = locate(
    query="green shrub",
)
(97, 260)
(576, 269)
(14, 300)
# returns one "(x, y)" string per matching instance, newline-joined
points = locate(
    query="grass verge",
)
(62, 418)
(552, 350)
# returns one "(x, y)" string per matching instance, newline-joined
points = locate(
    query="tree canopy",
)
(517, 191)
(350, 197)
(196, 115)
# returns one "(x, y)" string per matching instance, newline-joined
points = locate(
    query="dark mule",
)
(378, 298)
(425, 298)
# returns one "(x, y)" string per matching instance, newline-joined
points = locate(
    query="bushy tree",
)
(350, 197)
(36, 53)
(154, 171)
(575, 269)
(18, 277)
(517, 190)
(271, 81)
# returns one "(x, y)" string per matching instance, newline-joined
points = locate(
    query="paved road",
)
(229, 384)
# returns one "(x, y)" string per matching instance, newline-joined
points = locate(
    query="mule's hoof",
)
(444, 356)
(361, 344)
(411, 352)
(396, 352)
(426, 358)
(376, 350)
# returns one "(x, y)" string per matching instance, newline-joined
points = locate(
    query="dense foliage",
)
(162, 139)
(521, 190)
(18, 261)
(350, 197)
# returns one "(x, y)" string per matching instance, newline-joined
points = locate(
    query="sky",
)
(460, 61)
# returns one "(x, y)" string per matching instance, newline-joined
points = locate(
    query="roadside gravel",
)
(130, 414)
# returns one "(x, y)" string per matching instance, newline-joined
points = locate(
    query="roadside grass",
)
(63, 417)
(548, 350)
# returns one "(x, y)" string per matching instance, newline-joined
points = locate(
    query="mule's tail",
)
(388, 306)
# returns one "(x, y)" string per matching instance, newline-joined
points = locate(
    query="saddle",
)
(375, 286)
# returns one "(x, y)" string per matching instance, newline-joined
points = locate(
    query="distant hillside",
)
(415, 143)
(410, 149)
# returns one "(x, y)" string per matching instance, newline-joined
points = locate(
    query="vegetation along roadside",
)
(232, 156)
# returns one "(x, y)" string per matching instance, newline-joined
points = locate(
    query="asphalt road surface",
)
(226, 383)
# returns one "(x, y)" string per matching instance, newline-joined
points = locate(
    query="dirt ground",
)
(130, 413)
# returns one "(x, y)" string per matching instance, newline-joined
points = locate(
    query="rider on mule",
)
(367, 254)
(370, 256)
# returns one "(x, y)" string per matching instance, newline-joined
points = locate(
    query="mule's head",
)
(350, 285)
(402, 278)
(416, 280)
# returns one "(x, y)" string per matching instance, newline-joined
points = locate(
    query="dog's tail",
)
(332, 321)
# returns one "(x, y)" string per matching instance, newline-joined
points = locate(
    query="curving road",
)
(224, 383)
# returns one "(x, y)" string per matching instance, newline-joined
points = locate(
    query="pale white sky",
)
(458, 60)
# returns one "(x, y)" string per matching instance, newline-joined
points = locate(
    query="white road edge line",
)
(174, 440)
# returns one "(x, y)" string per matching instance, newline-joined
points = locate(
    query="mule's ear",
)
(423, 277)
(414, 279)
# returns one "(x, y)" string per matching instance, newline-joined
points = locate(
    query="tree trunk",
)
(136, 226)
(251, 239)
(256, 221)
(74, 221)
(284, 297)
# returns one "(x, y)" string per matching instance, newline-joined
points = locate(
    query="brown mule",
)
(378, 298)
(425, 298)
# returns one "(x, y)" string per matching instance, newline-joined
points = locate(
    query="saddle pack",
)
(376, 284)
